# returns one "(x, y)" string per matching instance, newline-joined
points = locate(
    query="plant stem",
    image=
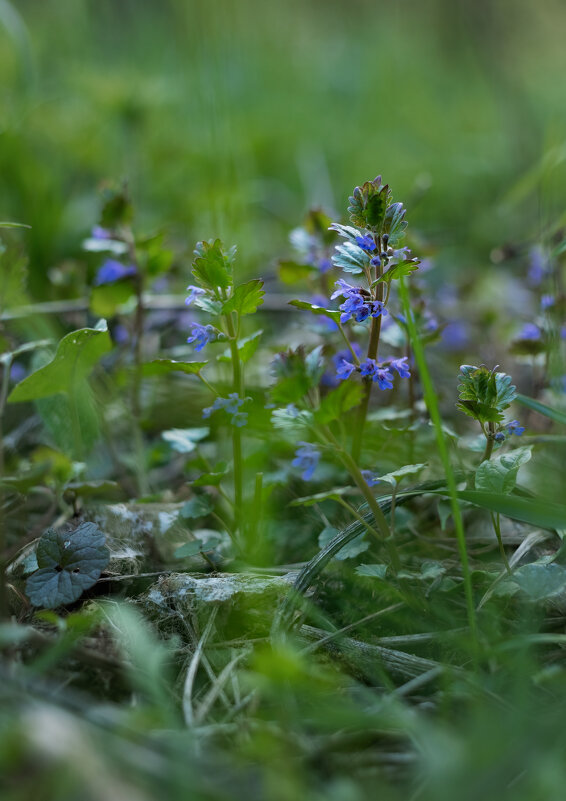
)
(432, 406)
(3, 542)
(373, 346)
(238, 385)
(349, 344)
(489, 443)
(384, 535)
(497, 529)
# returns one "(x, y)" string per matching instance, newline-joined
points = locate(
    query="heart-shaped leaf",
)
(69, 563)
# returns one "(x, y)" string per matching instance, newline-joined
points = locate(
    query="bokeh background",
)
(233, 118)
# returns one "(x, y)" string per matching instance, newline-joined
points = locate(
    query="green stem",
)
(238, 385)
(3, 542)
(432, 406)
(349, 344)
(495, 520)
(373, 346)
(380, 521)
(489, 443)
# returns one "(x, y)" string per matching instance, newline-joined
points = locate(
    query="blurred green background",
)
(232, 118)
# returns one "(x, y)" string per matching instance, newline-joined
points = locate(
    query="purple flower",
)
(201, 335)
(455, 335)
(401, 366)
(366, 242)
(324, 265)
(376, 261)
(344, 289)
(377, 308)
(530, 331)
(514, 427)
(239, 419)
(538, 267)
(100, 233)
(547, 301)
(368, 368)
(17, 372)
(499, 437)
(361, 314)
(370, 478)
(194, 292)
(112, 271)
(345, 369)
(353, 305)
(306, 459)
(384, 378)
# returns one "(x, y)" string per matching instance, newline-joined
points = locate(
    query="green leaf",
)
(399, 270)
(109, 490)
(543, 514)
(69, 563)
(297, 374)
(208, 305)
(351, 258)
(484, 394)
(372, 571)
(314, 309)
(106, 300)
(540, 581)
(5, 224)
(199, 506)
(245, 298)
(212, 479)
(117, 210)
(76, 356)
(541, 408)
(349, 551)
(499, 474)
(188, 549)
(395, 476)
(184, 440)
(164, 366)
(213, 267)
(338, 401)
(346, 231)
(330, 495)
(394, 223)
(246, 348)
(368, 205)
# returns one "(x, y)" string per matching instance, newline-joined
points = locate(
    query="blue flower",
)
(376, 308)
(194, 292)
(538, 268)
(366, 242)
(383, 377)
(112, 271)
(353, 305)
(344, 289)
(361, 314)
(100, 233)
(370, 478)
(514, 427)
(401, 366)
(345, 369)
(231, 405)
(499, 437)
(306, 459)
(376, 261)
(530, 331)
(368, 368)
(547, 301)
(324, 265)
(201, 335)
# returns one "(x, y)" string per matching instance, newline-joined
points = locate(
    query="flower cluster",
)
(514, 427)
(306, 459)
(201, 335)
(231, 405)
(378, 372)
(358, 303)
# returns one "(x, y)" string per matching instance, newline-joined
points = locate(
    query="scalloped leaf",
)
(245, 298)
(350, 258)
(399, 270)
(368, 204)
(246, 348)
(338, 401)
(394, 223)
(69, 564)
(347, 231)
(484, 394)
(213, 267)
